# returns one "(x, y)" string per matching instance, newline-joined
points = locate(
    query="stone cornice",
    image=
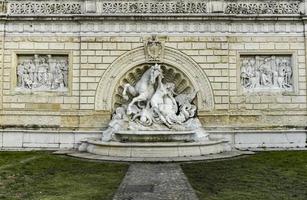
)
(208, 17)
(153, 8)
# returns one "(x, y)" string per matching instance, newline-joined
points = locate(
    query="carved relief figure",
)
(42, 73)
(266, 72)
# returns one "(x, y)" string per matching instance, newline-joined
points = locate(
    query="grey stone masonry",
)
(155, 182)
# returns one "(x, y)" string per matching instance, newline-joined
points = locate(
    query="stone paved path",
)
(155, 182)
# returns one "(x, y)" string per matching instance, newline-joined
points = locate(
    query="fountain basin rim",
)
(98, 142)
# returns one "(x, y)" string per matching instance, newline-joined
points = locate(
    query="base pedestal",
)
(154, 150)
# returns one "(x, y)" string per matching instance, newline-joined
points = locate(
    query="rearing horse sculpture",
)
(144, 88)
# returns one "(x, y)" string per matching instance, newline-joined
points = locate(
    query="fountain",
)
(155, 121)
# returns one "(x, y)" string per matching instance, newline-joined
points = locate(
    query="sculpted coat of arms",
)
(154, 49)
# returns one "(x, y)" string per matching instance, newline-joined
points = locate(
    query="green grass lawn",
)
(264, 176)
(44, 176)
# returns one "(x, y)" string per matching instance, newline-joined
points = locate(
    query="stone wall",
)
(93, 38)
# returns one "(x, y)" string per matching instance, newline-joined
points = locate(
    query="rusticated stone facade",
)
(62, 63)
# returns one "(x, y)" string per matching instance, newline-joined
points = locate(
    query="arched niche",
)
(107, 90)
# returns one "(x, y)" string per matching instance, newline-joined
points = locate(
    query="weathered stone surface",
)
(101, 50)
(155, 182)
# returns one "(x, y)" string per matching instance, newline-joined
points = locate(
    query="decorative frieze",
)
(42, 73)
(44, 8)
(123, 7)
(3, 6)
(266, 7)
(137, 7)
(266, 73)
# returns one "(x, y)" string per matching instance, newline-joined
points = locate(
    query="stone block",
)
(88, 53)
(205, 150)
(56, 46)
(87, 106)
(220, 52)
(221, 79)
(17, 105)
(1, 139)
(298, 99)
(41, 46)
(282, 46)
(267, 46)
(11, 45)
(94, 59)
(189, 151)
(12, 139)
(109, 59)
(41, 145)
(213, 59)
(236, 46)
(67, 146)
(213, 45)
(154, 152)
(71, 100)
(206, 52)
(221, 65)
(270, 139)
(26, 45)
(252, 46)
(72, 46)
(66, 138)
(214, 72)
(222, 106)
(198, 45)
(94, 46)
(41, 138)
(199, 59)
(120, 151)
(100, 150)
(109, 45)
(123, 46)
(260, 106)
(297, 46)
(92, 86)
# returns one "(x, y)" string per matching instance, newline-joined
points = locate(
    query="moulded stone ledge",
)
(242, 139)
(158, 149)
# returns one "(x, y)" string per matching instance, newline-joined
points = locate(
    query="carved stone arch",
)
(107, 87)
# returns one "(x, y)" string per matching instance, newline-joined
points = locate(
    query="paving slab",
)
(145, 181)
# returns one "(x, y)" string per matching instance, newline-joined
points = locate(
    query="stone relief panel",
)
(266, 73)
(44, 8)
(42, 73)
(263, 7)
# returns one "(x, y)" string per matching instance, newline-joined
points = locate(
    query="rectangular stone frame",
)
(293, 55)
(31, 52)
